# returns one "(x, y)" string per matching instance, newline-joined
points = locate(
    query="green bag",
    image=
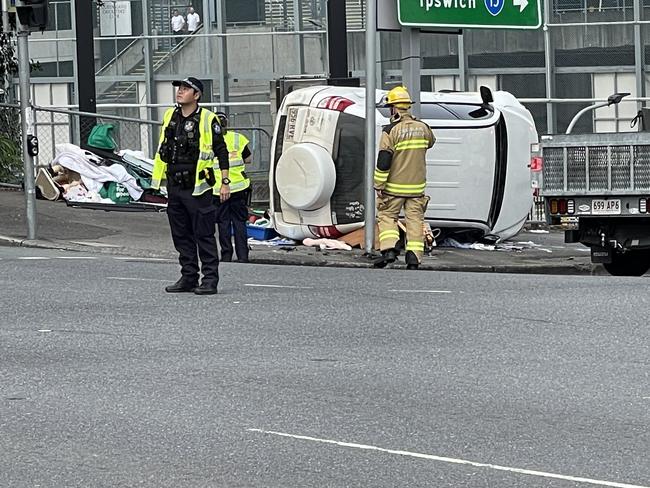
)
(115, 191)
(101, 137)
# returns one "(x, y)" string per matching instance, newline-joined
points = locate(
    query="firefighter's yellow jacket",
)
(401, 165)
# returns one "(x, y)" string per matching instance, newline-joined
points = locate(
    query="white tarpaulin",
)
(94, 176)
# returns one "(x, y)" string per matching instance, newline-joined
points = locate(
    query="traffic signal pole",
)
(27, 126)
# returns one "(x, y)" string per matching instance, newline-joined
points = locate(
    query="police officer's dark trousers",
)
(234, 212)
(191, 219)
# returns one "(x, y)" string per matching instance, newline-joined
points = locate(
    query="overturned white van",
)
(478, 174)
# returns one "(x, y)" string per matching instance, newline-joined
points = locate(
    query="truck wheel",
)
(629, 264)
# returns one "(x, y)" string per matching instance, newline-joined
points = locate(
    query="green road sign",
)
(484, 14)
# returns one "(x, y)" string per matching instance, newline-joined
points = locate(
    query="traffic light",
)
(32, 13)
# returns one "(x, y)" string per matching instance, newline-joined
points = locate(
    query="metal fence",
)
(60, 126)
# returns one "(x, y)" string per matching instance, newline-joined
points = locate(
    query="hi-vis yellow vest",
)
(236, 143)
(206, 155)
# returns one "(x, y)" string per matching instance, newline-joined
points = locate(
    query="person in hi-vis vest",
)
(190, 146)
(233, 213)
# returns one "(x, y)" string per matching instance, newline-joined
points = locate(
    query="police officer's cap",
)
(190, 82)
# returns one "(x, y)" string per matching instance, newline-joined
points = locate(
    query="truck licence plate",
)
(605, 207)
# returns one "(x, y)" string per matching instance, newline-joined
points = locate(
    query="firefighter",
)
(400, 180)
(191, 139)
(234, 211)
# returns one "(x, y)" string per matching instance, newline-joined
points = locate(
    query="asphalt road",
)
(318, 377)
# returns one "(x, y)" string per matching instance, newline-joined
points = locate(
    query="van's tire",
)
(632, 263)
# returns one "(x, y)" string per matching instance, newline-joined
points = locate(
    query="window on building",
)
(573, 85)
(244, 11)
(528, 86)
(59, 15)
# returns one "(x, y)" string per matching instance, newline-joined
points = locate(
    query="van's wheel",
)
(633, 263)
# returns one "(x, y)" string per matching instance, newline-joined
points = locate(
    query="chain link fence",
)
(57, 126)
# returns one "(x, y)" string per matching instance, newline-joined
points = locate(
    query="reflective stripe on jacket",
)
(235, 142)
(407, 139)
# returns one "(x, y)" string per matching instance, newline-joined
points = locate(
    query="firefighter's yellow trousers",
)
(388, 210)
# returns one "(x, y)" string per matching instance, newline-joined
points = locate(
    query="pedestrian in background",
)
(193, 21)
(233, 213)
(190, 140)
(400, 180)
(178, 23)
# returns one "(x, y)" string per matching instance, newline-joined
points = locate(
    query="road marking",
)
(119, 278)
(45, 330)
(75, 257)
(279, 286)
(452, 460)
(94, 244)
(421, 291)
(33, 258)
(144, 259)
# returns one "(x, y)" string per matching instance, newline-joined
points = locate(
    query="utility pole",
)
(5, 16)
(371, 95)
(27, 126)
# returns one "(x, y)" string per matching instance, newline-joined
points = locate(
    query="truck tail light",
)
(563, 206)
(536, 164)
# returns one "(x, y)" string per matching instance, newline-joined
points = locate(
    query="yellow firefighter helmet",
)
(399, 97)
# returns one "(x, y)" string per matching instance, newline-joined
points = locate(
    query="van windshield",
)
(449, 111)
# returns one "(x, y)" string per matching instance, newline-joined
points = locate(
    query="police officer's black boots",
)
(387, 257)
(181, 286)
(411, 260)
(206, 289)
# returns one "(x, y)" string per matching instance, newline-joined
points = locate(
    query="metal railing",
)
(55, 126)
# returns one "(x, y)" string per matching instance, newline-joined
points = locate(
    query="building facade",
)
(586, 49)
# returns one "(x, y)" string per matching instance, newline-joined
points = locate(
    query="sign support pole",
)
(371, 96)
(411, 65)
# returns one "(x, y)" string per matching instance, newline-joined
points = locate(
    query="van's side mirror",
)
(483, 110)
(486, 95)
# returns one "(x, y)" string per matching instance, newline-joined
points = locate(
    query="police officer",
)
(190, 140)
(400, 180)
(234, 211)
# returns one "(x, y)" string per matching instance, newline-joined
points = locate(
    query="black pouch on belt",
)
(184, 179)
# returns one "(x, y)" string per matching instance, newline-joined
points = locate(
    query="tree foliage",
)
(10, 153)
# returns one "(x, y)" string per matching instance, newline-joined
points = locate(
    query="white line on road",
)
(279, 286)
(119, 278)
(75, 257)
(453, 460)
(155, 260)
(33, 258)
(421, 291)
